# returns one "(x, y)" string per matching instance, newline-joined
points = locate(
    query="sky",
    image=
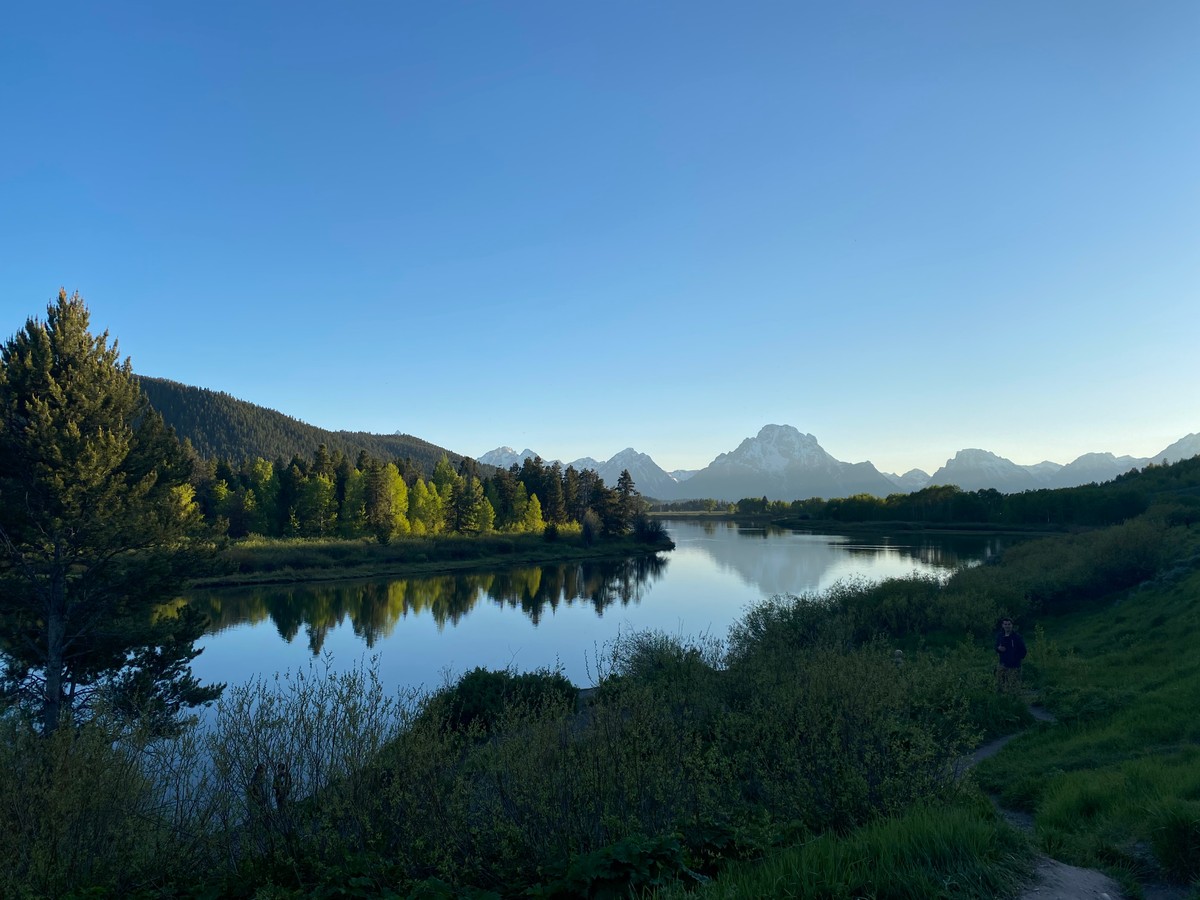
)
(906, 228)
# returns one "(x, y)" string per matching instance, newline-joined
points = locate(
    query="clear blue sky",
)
(907, 228)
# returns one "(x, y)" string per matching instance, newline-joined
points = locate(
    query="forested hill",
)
(222, 426)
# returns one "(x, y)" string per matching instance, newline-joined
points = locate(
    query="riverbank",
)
(838, 526)
(265, 561)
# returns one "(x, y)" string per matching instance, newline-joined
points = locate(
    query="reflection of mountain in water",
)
(374, 607)
(779, 561)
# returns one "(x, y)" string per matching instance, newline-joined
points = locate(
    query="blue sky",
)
(906, 228)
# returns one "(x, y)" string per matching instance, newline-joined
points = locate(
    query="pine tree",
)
(533, 520)
(95, 517)
(628, 499)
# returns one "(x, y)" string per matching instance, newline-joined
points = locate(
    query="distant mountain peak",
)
(783, 463)
(503, 457)
(774, 449)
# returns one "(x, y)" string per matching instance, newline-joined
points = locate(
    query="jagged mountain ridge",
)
(779, 462)
(782, 463)
(650, 479)
(504, 457)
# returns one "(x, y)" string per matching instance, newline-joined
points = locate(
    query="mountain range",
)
(782, 463)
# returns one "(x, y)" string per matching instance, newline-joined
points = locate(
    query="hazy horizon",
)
(905, 229)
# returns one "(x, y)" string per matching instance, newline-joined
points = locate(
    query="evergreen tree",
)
(386, 501)
(95, 516)
(353, 518)
(444, 478)
(533, 520)
(316, 508)
(570, 488)
(628, 499)
(551, 494)
(485, 516)
(426, 513)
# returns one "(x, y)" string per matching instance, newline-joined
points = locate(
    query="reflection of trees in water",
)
(375, 607)
(943, 552)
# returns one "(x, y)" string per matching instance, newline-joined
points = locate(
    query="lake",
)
(424, 630)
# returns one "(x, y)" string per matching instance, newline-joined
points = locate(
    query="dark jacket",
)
(1011, 649)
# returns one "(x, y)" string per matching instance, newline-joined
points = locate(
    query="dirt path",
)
(1052, 880)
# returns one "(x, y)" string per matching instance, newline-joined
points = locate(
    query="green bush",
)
(649, 531)
(626, 868)
(480, 697)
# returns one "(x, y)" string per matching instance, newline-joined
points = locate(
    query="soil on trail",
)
(1052, 880)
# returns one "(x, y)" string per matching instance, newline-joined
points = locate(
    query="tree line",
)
(1092, 505)
(331, 495)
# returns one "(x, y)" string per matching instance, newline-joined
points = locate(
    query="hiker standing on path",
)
(1011, 649)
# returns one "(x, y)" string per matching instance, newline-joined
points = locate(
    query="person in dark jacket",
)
(1010, 647)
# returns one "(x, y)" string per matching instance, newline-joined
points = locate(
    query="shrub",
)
(649, 531)
(1175, 838)
(480, 697)
(626, 868)
(590, 528)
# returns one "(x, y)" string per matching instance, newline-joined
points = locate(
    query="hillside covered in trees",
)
(220, 426)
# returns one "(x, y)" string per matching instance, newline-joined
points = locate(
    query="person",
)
(1010, 647)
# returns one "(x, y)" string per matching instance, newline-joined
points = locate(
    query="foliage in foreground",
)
(799, 746)
(954, 851)
(96, 525)
(684, 758)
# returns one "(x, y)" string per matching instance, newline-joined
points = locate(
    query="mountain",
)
(586, 462)
(1093, 467)
(503, 457)
(974, 470)
(912, 480)
(219, 425)
(649, 479)
(783, 464)
(1184, 448)
(682, 474)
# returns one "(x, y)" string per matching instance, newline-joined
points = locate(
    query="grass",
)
(1116, 784)
(958, 851)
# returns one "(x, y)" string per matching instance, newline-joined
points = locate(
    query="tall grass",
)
(921, 854)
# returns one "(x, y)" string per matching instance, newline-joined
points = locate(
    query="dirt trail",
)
(1052, 880)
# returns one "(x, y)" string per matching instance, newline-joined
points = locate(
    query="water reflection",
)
(374, 607)
(783, 561)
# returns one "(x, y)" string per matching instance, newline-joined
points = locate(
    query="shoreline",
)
(835, 526)
(422, 566)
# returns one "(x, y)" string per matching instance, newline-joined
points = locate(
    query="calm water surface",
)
(423, 630)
